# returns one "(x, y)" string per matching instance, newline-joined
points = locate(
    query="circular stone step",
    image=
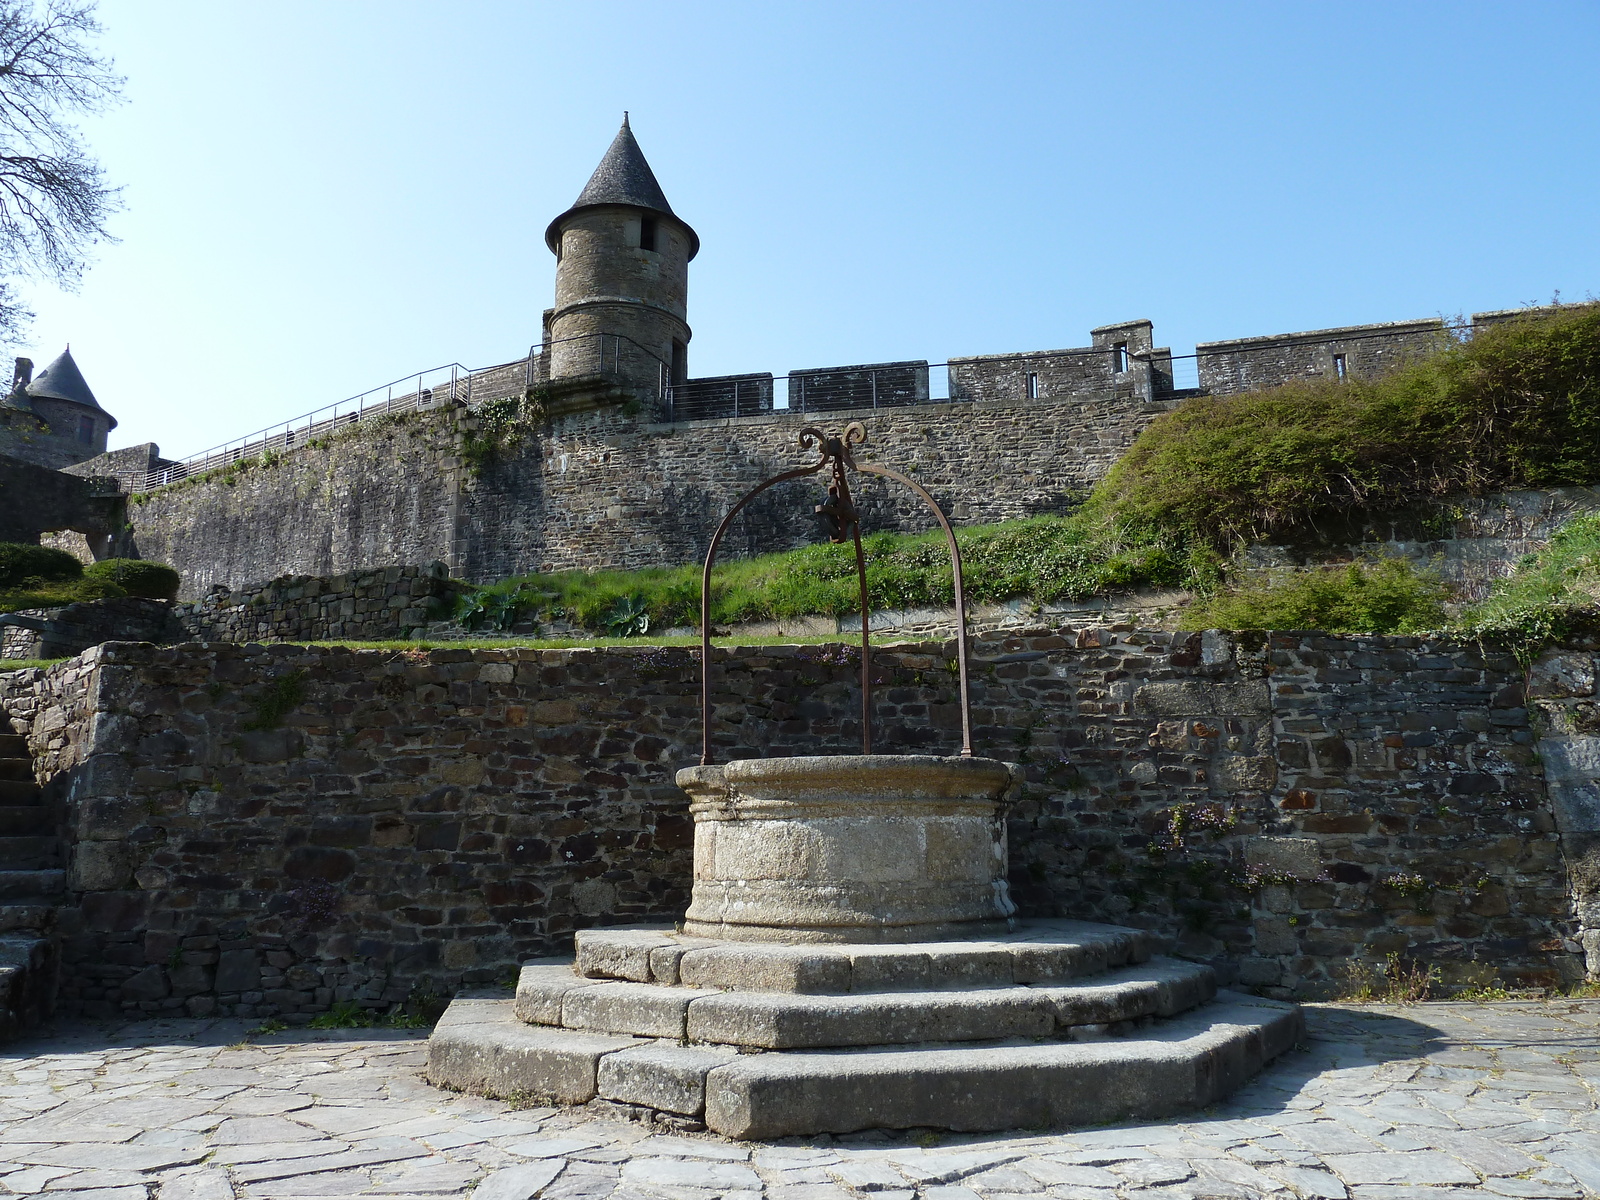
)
(1037, 952)
(1189, 1061)
(550, 994)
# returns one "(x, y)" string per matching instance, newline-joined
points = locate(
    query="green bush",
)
(43, 594)
(1517, 406)
(1385, 597)
(21, 563)
(137, 578)
(1553, 596)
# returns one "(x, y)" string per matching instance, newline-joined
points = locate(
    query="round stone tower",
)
(622, 278)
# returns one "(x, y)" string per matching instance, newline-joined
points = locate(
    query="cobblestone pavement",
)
(1384, 1104)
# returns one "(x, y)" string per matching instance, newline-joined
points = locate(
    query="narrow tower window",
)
(1338, 365)
(1119, 357)
(86, 430)
(1033, 386)
(647, 233)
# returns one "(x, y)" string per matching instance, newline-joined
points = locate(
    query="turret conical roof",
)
(62, 380)
(623, 177)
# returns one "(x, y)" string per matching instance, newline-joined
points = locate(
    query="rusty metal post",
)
(840, 515)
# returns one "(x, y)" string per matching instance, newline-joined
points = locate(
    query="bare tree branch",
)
(54, 201)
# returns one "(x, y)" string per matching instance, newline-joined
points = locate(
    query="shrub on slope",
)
(1517, 406)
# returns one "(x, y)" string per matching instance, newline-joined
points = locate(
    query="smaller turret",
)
(52, 419)
(622, 278)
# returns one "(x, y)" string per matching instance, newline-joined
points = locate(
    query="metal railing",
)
(433, 388)
(828, 389)
(605, 354)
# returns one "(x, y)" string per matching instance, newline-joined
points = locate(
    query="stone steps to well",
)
(1057, 1023)
(1188, 1061)
(550, 994)
(1037, 952)
(16, 768)
(13, 745)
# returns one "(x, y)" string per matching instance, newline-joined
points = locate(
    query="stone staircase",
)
(1058, 1023)
(32, 882)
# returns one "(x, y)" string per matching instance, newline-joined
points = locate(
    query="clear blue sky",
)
(322, 196)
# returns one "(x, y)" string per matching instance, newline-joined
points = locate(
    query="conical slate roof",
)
(62, 380)
(623, 177)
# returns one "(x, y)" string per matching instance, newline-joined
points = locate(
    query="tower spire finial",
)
(625, 118)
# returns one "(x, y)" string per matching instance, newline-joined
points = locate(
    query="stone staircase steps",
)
(19, 791)
(25, 820)
(1058, 1022)
(32, 853)
(31, 882)
(550, 994)
(31, 886)
(1194, 1059)
(25, 916)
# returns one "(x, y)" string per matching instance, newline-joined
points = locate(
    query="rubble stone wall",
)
(263, 830)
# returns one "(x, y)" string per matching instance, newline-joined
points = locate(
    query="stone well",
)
(852, 848)
(850, 961)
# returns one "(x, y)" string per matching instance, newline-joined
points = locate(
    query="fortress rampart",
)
(630, 482)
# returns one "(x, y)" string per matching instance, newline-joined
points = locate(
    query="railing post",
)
(874, 389)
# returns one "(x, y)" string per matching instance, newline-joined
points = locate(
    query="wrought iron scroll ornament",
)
(840, 521)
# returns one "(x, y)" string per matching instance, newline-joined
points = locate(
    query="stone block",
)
(759, 968)
(100, 866)
(1163, 987)
(969, 965)
(541, 988)
(890, 969)
(148, 984)
(1576, 805)
(618, 953)
(667, 1078)
(1196, 1059)
(483, 1048)
(238, 971)
(778, 1021)
(1562, 675)
(1299, 857)
(649, 1010)
(1243, 773)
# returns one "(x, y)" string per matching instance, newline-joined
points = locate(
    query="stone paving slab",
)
(1429, 1102)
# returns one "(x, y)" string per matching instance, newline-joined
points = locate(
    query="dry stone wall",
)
(260, 830)
(377, 605)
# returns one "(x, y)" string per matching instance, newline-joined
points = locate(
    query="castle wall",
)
(609, 484)
(35, 500)
(1244, 364)
(375, 493)
(607, 489)
(261, 830)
